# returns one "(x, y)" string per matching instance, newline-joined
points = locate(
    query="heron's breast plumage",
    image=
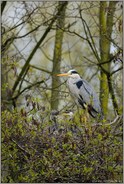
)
(71, 83)
(74, 86)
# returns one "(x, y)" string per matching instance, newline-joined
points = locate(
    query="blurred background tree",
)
(39, 40)
(92, 37)
(57, 56)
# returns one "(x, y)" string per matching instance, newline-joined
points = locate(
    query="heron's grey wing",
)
(88, 94)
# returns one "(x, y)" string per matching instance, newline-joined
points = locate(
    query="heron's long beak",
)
(62, 74)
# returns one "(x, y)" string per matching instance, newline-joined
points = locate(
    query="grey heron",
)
(83, 93)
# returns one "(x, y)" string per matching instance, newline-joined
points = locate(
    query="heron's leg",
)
(82, 119)
(86, 120)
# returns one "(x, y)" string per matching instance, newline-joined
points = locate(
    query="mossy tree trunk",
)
(57, 56)
(5, 89)
(106, 16)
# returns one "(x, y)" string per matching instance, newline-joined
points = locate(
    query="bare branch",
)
(87, 31)
(35, 49)
(22, 149)
(27, 88)
(41, 69)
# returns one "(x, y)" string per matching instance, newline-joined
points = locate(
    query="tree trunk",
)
(3, 4)
(57, 56)
(106, 24)
(26, 65)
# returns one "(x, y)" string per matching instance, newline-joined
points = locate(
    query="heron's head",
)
(71, 73)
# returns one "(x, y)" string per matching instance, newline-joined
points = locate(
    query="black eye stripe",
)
(73, 72)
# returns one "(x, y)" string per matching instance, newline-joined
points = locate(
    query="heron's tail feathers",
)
(94, 113)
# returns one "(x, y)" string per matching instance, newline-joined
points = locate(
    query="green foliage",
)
(31, 152)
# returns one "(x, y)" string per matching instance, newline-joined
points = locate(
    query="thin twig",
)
(22, 149)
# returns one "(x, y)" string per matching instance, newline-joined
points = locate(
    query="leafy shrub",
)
(34, 152)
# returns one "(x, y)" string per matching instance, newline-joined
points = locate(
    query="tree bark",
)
(106, 24)
(57, 56)
(35, 49)
(3, 4)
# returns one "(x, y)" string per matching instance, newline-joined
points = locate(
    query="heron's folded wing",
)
(89, 95)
